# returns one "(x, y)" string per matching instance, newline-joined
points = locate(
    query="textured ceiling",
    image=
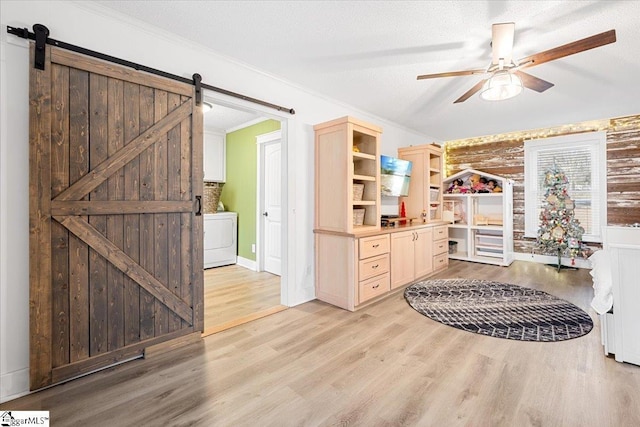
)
(368, 54)
(227, 119)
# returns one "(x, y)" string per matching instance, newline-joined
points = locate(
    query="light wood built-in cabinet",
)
(357, 264)
(347, 154)
(480, 224)
(425, 187)
(355, 270)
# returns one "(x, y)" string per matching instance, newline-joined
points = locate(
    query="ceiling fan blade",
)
(502, 42)
(452, 74)
(533, 82)
(569, 49)
(468, 94)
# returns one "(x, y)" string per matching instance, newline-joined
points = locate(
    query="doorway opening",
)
(244, 241)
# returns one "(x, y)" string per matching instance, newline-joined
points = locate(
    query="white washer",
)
(220, 239)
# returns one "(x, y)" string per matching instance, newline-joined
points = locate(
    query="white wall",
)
(104, 31)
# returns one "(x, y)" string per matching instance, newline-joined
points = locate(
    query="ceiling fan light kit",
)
(506, 76)
(502, 85)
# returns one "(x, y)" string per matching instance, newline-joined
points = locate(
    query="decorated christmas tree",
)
(560, 232)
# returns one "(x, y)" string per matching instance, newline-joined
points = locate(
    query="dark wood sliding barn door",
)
(115, 242)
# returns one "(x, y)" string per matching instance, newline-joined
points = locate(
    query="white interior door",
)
(271, 206)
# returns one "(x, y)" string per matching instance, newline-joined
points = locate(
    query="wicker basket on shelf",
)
(358, 190)
(211, 196)
(358, 216)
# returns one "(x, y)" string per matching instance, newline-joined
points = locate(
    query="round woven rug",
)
(498, 309)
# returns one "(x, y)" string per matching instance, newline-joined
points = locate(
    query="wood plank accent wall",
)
(504, 155)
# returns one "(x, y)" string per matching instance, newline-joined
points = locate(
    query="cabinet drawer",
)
(440, 247)
(371, 288)
(372, 246)
(440, 261)
(373, 266)
(440, 232)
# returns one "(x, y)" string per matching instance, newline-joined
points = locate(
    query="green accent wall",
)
(240, 192)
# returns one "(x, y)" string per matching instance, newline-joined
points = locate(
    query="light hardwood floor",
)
(234, 295)
(385, 365)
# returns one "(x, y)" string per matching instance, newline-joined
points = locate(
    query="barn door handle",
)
(199, 203)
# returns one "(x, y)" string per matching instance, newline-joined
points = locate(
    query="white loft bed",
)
(616, 283)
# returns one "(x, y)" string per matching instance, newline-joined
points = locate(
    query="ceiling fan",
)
(507, 79)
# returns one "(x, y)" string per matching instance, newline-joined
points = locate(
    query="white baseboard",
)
(13, 385)
(247, 263)
(549, 259)
(304, 295)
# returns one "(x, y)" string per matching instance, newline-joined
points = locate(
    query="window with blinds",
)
(582, 157)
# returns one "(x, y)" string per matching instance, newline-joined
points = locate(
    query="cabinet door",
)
(402, 258)
(415, 203)
(214, 157)
(423, 251)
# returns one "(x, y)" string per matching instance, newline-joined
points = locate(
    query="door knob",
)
(265, 214)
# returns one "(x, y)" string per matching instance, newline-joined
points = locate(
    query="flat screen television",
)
(395, 175)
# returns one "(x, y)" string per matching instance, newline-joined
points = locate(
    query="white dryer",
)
(220, 239)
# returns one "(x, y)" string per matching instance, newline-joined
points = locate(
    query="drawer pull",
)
(376, 245)
(376, 286)
(375, 266)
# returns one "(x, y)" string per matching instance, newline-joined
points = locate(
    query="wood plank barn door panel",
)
(115, 244)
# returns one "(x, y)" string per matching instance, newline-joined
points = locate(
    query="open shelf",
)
(462, 225)
(480, 223)
(486, 227)
(460, 255)
(364, 178)
(363, 156)
(425, 191)
(347, 199)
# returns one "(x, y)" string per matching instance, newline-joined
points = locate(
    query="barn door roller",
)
(197, 82)
(41, 33)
